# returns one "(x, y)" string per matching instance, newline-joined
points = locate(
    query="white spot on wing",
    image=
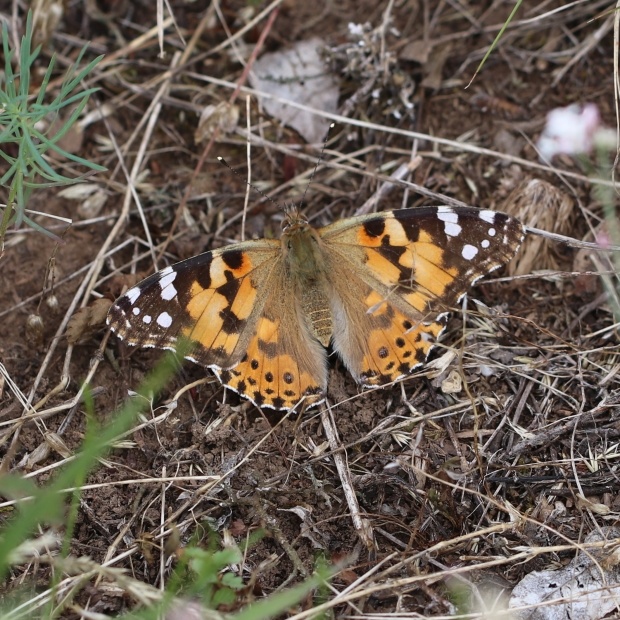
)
(485, 243)
(451, 221)
(452, 230)
(132, 294)
(167, 276)
(488, 216)
(169, 292)
(446, 214)
(164, 320)
(136, 311)
(491, 232)
(469, 251)
(146, 319)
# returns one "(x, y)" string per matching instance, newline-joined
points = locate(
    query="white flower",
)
(356, 30)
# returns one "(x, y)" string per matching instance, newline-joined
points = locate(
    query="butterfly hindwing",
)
(377, 341)
(283, 363)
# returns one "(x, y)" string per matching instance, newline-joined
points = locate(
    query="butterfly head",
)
(293, 219)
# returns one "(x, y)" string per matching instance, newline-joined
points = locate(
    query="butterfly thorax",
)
(304, 263)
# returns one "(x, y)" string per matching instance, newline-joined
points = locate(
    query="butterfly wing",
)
(234, 307)
(396, 275)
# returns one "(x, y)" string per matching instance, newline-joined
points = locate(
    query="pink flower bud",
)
(570, 131)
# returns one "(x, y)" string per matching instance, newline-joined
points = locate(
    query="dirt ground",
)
(506, 441)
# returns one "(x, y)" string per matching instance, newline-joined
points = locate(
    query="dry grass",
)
(438, 493)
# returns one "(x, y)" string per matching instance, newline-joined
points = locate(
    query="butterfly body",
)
(261, 313)
(304, 258)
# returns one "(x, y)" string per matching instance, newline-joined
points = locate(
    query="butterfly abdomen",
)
(304, 258)
(316, 310)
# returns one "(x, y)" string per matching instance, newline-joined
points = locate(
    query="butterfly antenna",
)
(266, 196)
(316, 166)
(256, 189)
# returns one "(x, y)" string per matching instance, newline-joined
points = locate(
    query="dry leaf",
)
(297, 74)
(87, 319)
(92, 198)
(583, 590)
(453, 383)
(223, 117)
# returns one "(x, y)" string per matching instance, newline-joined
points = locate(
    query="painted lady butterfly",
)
(377, 287)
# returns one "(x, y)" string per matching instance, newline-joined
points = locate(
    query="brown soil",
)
(539, 358)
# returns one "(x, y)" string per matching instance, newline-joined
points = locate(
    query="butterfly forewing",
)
(430, 255)
(213, 300)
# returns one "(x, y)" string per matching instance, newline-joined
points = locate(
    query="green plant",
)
(21, 116)
(209, 578)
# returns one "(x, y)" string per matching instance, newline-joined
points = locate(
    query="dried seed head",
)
(539, 204)
(34, 328)
(51, 301)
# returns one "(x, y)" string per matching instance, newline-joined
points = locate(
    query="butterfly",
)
(377, 288)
